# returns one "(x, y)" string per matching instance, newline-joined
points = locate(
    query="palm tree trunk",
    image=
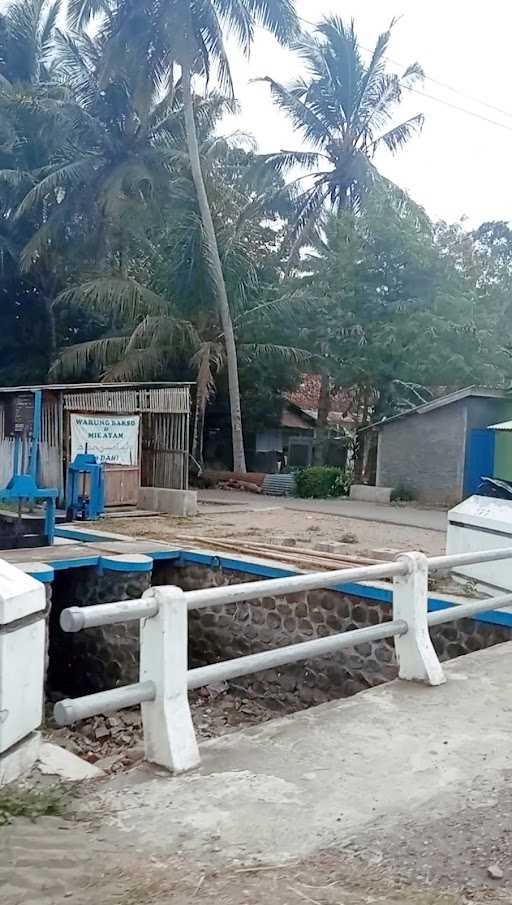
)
(217, 273)
(322, 425)
(52, 331)
(47, 294)
(202, 393)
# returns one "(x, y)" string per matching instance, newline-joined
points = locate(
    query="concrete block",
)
(53, 760)
(325, 547)
(173, 502)
(20, 759)
(386, 554)
(20, 594)
(22, 663)
(366, 493)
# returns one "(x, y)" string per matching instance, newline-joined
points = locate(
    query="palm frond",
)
(68, 176)
(277, 16)
(97, 354)
(47, 28)
(283, 161)
(142, 364)
(301, 115)
(413, 73)
(398, 136)
(239, 21)
(72, 52)
(211, 42)
(290, 354)
(81, 12)
(127, 297)
(16, 178)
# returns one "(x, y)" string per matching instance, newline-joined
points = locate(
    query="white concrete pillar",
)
(417, 659)
(169, 736)
(22, 667)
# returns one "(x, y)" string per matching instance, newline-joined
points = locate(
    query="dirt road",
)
(278, 522)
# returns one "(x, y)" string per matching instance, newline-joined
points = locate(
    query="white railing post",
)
(169, 736)
(417, 659)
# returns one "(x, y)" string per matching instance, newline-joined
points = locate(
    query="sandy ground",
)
(276, 524)
(55, 861)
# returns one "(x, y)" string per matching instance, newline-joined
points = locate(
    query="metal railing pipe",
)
(451, 614)
(439, 563)
(72, 709)
(75, 618)
(270, 659)
(272, 587)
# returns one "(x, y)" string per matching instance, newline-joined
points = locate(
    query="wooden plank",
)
(170, 400)
(6, 461)
(122, 484)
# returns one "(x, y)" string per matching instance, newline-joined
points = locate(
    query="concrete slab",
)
(367, 493)
(20, 759)
(395, 514)
(182, 503)
(316, 779)
(53, 760)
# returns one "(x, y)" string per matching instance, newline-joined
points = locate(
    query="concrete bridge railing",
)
(165, 678)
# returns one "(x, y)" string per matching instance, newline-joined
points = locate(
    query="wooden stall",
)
(146, 424)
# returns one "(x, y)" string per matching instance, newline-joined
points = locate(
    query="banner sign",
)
(113, 440)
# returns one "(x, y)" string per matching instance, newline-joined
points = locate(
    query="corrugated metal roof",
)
(74, 387)
(504, 426)
(483, 392)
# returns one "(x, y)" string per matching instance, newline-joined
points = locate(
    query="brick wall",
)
(425, 453)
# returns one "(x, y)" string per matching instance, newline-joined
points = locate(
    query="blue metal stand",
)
(23, 487)
(79, 504)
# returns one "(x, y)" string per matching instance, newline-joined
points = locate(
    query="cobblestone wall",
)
(96, 659)
(222, 633)
(99, 658)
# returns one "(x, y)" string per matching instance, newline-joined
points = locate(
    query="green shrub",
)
(34, 803)
(321, 482)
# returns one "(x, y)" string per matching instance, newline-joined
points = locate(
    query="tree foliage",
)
(108, 268)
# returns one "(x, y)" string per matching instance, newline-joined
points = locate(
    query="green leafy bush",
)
(34, 803)
(321, 482)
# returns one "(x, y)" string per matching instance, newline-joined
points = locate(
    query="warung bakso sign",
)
(113, 440)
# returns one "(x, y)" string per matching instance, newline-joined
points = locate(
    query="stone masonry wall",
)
(96, 659)
(100, 658)
(222, 633)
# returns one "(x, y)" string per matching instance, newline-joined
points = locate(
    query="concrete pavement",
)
(406, 515)
(398, 753)
(397, 514)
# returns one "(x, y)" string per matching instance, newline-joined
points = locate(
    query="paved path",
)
(407, 516)
(328, 806)
(224, 501)
(399, 753)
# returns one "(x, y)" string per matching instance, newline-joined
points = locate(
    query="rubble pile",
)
(114, 743)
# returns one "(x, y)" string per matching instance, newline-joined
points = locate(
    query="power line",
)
(445, 85)
(440, 100)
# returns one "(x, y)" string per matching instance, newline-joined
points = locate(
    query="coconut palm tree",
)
(27, 33)
(167, 328)
(191, 34)
(345, 110)
(201, 45)
(26, 41)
